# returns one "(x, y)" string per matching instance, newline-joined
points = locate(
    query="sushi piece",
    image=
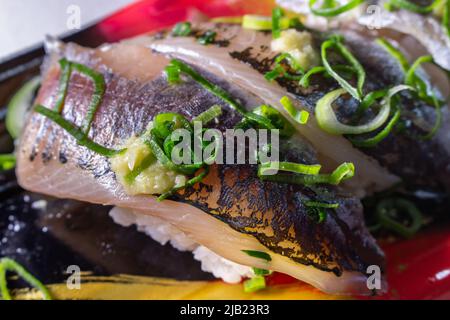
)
(399, 157)
(428, 24)
(232, 212)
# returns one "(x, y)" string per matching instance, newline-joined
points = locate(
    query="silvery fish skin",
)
(403, 153)
(230, 211)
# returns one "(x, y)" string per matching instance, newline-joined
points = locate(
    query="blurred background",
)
(24, 23)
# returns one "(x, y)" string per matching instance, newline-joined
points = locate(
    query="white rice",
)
(164, 232)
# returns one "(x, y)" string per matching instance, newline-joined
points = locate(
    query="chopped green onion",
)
(295, 23)
(217, 91)
(325, 205)
(332, 11)
(347, 55)
(19, 104)
(276, 119)
(369, 100)
(438, 121)
(188, 184)
(74, 131)
(299, 116)
(269, 168)
(446, 18)
(410, 76)
(279, 71)
(145, 163)
(328, 121)
(396, 53)
(387, 208)
(165, 160)
(254, 284)
(318, 214)
(220, 93)
(255, 22)
(173, 74)
(7, 264)
(344, 172)
(182, 29)
(412, 79)
(258, 254)
(64, 77)
(7, 161)
(165, 123)
(277, 14)
(291, 61)
(410, 6)
(99, 89)
(305, 79)
(371, 142)
(209, 115)
(264, 23)
(261, 272)
(208, 37)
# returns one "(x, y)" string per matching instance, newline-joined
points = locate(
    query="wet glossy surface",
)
(48, 239)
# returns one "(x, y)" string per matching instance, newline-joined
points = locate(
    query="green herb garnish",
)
(412, 79)
(317, 210)
(206, 117)
(306, 169)
(410, 6)
(330, 8)
(336, 42)
(276, 119)
(173, 74)
(80, 134)
(346, 71)
(254, 284)
(317, 204)
(99, 89)
(7, 264)
(207, 38)
(181, 67)
(396, 53)
(328, 121)
(280, 72)
(277, 14)
(258, 254)
(261, 272)
(343, 172)
(373, 141)
(7, 161)
(188, 184)
(77, 133)
(446, 18)
(301, 116)
(182, 29)
(161, 144)
(389, 212)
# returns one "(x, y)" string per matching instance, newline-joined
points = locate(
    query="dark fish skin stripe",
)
(275, 214)
(272, 213)
(420, 164)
